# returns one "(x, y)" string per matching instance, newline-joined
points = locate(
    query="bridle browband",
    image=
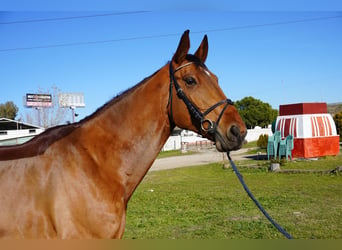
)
(206, 125)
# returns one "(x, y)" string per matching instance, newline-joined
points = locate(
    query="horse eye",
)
(190, 81)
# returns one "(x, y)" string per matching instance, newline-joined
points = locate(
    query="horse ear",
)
(183, 48)
(202, 50)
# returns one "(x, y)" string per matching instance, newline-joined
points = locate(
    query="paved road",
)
(195, 159)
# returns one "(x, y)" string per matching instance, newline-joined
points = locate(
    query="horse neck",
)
(128, 135)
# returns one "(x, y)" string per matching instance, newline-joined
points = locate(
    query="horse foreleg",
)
(121, 229)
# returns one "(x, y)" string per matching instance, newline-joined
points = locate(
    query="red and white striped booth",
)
(312, 128)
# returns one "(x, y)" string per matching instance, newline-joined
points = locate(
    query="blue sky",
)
(278, 57)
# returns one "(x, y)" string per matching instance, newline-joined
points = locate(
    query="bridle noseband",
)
(206, 125)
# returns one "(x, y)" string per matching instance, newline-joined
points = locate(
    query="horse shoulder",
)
(86, 204)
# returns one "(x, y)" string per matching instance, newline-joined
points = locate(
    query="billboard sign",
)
(71, 100)
(38, 100)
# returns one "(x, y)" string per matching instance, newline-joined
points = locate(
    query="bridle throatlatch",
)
(206, 125)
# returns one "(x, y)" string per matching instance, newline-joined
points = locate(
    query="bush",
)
(262, 141)
(338, 123)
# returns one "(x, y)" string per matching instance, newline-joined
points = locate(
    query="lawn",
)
(208, 202)
(170, 153)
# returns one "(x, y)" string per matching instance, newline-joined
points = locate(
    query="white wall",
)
(172, 143)
(253, 134)
(175, 142)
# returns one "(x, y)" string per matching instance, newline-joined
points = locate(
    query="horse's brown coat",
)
(74, 181)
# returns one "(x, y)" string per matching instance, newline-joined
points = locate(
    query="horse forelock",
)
(195, 59)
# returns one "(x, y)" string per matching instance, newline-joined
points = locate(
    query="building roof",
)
(8, 124)
(303, 108)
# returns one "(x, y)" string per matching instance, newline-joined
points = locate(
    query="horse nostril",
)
(235, 131)
(235, 137)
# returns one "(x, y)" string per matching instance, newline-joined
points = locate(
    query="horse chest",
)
(45, 202)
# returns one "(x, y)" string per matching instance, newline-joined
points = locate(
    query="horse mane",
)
(189, 57)
(41, 142)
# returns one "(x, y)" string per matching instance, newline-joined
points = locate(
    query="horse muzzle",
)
(232, 139)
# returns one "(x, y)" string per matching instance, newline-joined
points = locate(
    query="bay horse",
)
(74, 181)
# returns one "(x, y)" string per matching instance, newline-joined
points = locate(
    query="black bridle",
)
(206, 125)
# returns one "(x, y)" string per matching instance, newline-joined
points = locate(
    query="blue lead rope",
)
(239, 176)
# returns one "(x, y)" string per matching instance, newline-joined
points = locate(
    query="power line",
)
(72, 17)
(89, 42)
(168, 35)
(272, 24)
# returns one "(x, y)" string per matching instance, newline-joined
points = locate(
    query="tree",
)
(47, 117)
(255, 112)
(8, 110)
(338, 122)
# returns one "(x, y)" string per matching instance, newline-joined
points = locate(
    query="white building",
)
(16, 132)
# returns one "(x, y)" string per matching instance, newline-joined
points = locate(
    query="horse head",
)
(197, 102)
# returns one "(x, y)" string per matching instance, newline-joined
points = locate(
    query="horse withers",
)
(74, 181)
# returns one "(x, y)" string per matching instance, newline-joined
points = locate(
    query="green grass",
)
(323, 163)
(253, 151)
(208, 202)
(251, 144)
(319, 164)
(253, 148)
(170, 153)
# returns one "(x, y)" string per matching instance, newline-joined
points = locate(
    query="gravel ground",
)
(201, 158)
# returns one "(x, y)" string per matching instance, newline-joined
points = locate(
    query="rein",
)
(239, 176)
(206, 125)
